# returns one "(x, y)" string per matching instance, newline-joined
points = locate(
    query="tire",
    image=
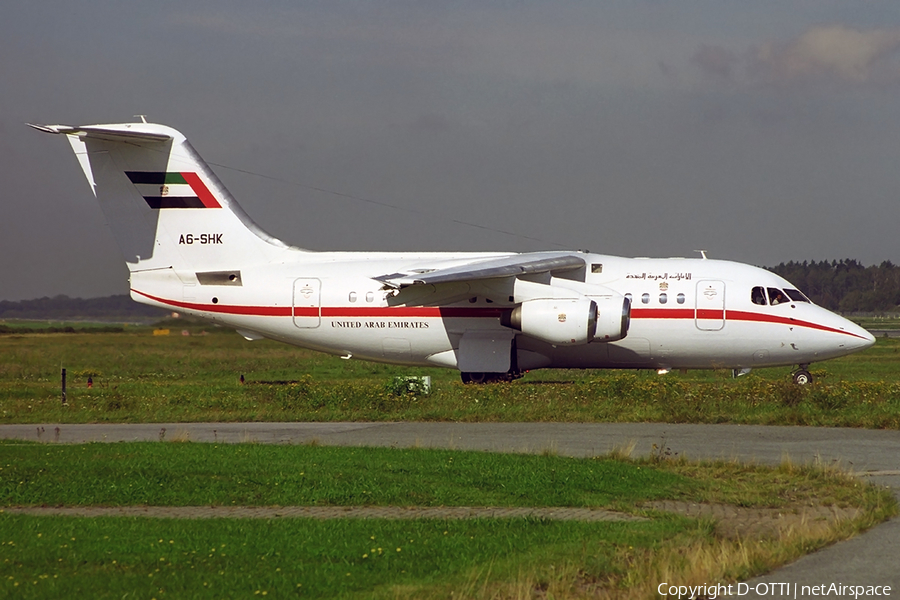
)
(474, 377)
(802, 377)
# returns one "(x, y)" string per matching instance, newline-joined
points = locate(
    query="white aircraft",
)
(191, 248)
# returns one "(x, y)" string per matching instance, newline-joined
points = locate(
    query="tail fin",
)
(165, 206)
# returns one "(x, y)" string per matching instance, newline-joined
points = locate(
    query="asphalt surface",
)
(871, 559)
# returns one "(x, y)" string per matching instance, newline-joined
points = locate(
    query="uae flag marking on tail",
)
(172, 190)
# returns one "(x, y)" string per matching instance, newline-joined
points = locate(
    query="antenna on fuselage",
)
(702, 253)
(143, 118)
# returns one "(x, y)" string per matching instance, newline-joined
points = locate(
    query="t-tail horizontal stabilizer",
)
(165, 206)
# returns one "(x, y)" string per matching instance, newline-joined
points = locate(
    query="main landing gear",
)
(802, 376)
(478, 378)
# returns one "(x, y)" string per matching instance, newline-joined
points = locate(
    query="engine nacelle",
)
(559, 321)
(572, 321)
(613, 317)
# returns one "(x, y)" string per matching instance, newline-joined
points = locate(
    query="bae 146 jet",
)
(190, 248)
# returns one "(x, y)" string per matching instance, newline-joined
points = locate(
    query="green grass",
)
(888, 321)
(20, 327)
(185, 474)
(55, 557)
(143, 378)
(45, 557)
(139, 377)
(192, 474)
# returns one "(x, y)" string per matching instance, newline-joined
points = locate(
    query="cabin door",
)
(307, 303)
(710, 310)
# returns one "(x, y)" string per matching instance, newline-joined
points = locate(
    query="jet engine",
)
(613, 317)
(560, 321)
(571, 321)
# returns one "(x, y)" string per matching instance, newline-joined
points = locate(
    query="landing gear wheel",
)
(802, 377)
(474, 377)
(479, 378)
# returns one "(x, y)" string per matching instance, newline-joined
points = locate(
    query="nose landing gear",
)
(802, 376)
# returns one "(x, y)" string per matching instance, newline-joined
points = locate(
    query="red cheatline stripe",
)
(261, 311)
(733, 315)
(761, 318)
(409, 311)
(662, 313)
(206, 197)
(329, 311)
(710, 313)
(707, 314)
(474, 312)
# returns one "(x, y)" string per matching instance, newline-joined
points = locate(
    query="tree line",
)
(845, 285)
(120, 307)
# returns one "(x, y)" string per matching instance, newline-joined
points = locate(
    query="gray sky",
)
(760, 131)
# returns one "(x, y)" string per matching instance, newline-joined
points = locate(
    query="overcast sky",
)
(761, 131)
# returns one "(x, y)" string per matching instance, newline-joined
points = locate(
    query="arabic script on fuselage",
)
(660, 276)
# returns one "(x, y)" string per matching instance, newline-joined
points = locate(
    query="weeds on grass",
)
(260, 475)
(518, 558)
(353, 558)
(697, 555)
(173, 379)
(859, 404)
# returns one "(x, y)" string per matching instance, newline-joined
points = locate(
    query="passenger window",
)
(628, 295)
(352, 296)
(645, 298)
(680, 298)
(758, 296)
(663, 298)
(370, 296)
(776, 296)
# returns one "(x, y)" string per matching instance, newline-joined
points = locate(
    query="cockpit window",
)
(796, 295)
(776, 296)
(758, 295)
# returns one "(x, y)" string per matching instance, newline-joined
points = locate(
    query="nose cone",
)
(857, 338)
(836, 336)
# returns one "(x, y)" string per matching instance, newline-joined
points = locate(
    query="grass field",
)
(139, 377)
(24, 326)
(261, 475)
(889, 321)
(116, 558)
(53, 557)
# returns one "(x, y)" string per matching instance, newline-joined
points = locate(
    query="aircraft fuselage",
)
(685, 313)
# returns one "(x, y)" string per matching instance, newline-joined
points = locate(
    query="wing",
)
(492, 268)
